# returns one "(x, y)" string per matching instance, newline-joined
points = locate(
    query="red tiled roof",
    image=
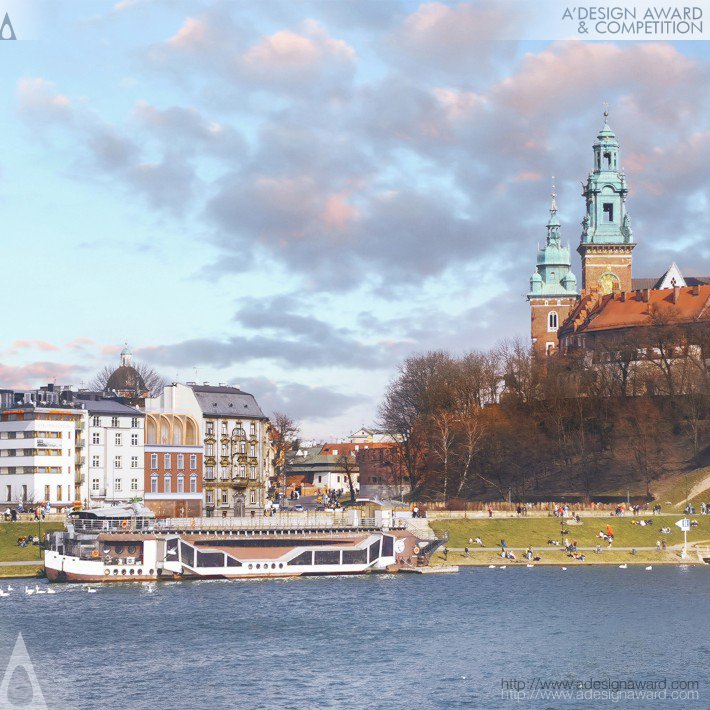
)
(595, 312)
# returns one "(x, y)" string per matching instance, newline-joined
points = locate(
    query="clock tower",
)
(607, 240)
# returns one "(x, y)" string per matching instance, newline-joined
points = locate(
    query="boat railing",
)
(277, 522)
(111, 525)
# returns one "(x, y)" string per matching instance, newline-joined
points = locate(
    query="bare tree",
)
(284, 432)
(154, 381)
(348, 466)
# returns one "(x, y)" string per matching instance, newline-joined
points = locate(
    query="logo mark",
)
(6, 29)
(21, 659)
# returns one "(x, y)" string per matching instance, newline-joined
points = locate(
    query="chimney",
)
(623, 296)
(646, 295)
(221, 384)
(676, 293)
(639, 297)
(206, 384)
(695, 290)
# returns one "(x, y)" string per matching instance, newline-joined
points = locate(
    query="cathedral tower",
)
(553, 287)
(607, 240)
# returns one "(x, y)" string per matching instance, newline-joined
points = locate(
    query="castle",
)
(606, 247)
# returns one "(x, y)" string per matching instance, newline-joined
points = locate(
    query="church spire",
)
(607, 240)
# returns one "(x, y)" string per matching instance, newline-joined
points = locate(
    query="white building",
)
(115, 454)
(41, 454)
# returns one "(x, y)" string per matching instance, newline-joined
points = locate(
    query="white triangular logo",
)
(21, 659)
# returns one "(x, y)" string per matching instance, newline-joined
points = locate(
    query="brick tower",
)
(607, 240)
(553, 288)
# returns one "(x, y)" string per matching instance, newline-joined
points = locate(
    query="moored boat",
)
(129, 544)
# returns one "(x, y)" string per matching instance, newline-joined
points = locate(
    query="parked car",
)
(298, 508)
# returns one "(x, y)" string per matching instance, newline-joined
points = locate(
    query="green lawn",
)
(9, 532)
(521, 532)
(21, 571)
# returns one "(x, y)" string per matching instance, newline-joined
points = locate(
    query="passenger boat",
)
(128, 544)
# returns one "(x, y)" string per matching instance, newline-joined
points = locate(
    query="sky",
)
(294, 196)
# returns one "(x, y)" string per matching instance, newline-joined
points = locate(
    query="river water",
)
(380, 641)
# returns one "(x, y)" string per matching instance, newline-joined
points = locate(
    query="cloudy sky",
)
(293, 196)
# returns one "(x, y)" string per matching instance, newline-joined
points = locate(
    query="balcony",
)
(240, 481)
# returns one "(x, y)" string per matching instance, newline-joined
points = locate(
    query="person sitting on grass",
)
(478, 541)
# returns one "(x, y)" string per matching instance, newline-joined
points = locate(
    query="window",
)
(224, 428)
(8, 493)
(181, 484)
(153, 484)
(210, 428)
(549, 347)
(24, 493)
(252, 429)
(208, 497)
(114, 421)
(320, 479)
(608, 209)
(181, 462)
(95, 461)
(154, 462)
(59, 493)
(96, 421)
(167, 461)
(252, 450)
(96, 438)
(242, 471)
(95, 485)
(552, 322)
(225, 452)
(252, 472)
(252, 499)
(134, 439)
(117, 439)
(117, 462)
(134, 462)
(134, 422)
(193, 462)
(167, 483)
(209, 473)
(224, 497)
(134, 484)
(118, 485)
(193, 483)
(209, 450)
(46, 493)
(607, 161)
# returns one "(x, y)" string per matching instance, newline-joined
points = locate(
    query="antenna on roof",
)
(606, 110)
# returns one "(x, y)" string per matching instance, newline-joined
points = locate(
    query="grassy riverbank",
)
(521, 532)
(9, 532)
(14, 571)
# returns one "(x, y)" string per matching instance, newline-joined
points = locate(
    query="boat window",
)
(374, 550)
(327, 557)
(231, 562)
(187, 554)
(172, 552)
(387, 546)
(354, 557)
(305, 558)
(210, 559)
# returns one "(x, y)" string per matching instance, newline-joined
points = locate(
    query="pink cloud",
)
(38, 97)
(38, 373)
(338, 214)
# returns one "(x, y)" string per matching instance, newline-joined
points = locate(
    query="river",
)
(380, 641)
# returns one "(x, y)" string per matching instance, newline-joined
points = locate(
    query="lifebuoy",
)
(416, 550)
(94, 553)
(124, 524)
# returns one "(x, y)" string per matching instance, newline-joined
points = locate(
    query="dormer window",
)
(608, 209)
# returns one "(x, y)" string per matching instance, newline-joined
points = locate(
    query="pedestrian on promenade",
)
(490, 512)
(658, 545)
(465, 551)
(446, 554)
(503, 545)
